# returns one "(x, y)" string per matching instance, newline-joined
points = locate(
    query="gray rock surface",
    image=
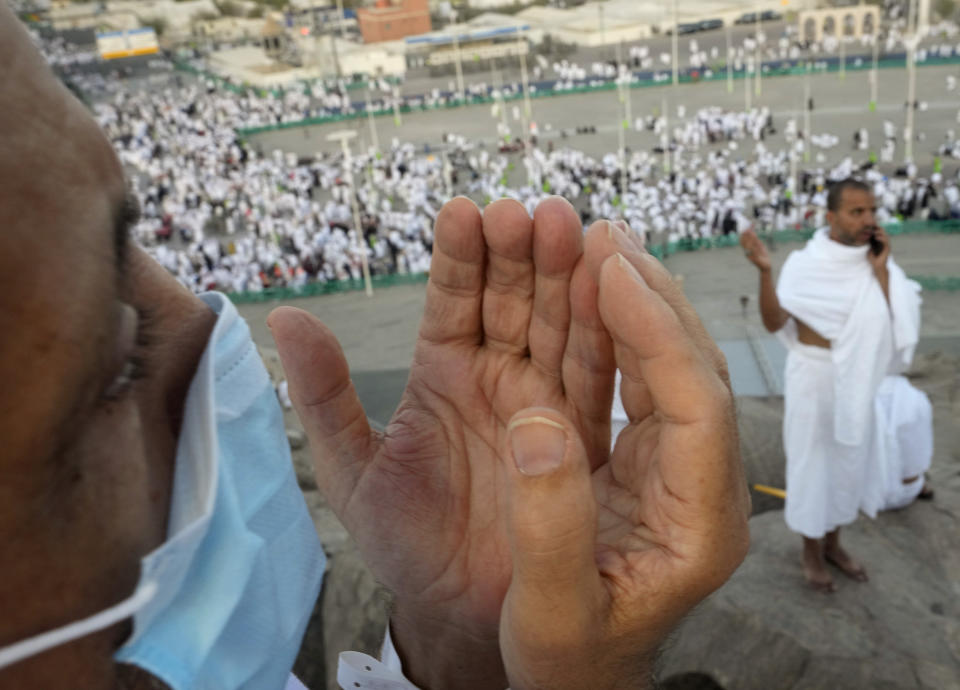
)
(765, 629)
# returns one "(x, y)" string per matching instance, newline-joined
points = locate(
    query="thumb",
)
(324, 398)
(555, 591)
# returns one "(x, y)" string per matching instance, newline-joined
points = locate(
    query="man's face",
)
(93, 382)
(854, 221)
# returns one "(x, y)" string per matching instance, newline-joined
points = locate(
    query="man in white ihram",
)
(857, 435)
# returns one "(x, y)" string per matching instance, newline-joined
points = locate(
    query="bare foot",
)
(836, 556)
(814, 569)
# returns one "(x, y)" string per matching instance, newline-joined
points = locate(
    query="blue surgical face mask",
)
(224, 601)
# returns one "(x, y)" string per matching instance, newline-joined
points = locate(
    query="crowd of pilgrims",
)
(317, 99)
(220, 214)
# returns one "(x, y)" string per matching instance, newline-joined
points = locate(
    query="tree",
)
(158, 24)
(945, 8)
(228, 8)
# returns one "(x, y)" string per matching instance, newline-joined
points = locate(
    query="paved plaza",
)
(840, 107)
(378, 334)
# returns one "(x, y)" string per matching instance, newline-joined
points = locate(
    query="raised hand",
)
(606, 559)
(755, 250)
(511, 321)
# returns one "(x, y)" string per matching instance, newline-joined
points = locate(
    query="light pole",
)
(665, 137)
(343, 29)
(447, 172)
(729, 62)
(344, 136)
(459, 66)
(397, 118)
(746, 84)
(603, 32)
(498, 85)
(873, 72)
(674, 49)
(374, 138)
(759, 57)
(911, 81)
(524, 78)
(843, 52)
(806, 115)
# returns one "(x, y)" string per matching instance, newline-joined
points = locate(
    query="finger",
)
(653, 346)
(324, 399)
(602, 242)
(557, 246)
(690, 446)
(588, 366)
(555, 591)
(452, 311)
(509, 288)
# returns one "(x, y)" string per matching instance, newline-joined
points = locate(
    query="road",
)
(840, 108)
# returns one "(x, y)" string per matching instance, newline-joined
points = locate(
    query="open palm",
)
(514, 319)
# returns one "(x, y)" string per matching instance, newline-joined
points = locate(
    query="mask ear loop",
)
(44, 641)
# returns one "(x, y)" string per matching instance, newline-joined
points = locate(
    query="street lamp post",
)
(911, 80)
(340, 20)
(459, 67)
(843, 53)
(344, 136)
(374, 138)
(498, 85)
(729, 62)
(525, 80)
(759, 54)
(397, 117)
(665, 136)
(806, 115)
(675, 60)
(873, 71)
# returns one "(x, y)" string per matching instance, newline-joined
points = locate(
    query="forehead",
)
(59, 186)
(852, 197)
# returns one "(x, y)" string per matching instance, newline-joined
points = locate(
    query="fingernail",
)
(538, 444)
(622, 238)
(629, 268)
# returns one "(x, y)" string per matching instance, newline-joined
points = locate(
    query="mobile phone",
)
(876, 246)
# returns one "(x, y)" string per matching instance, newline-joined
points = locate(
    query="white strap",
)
(44, 641)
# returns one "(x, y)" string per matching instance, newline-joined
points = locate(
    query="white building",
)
(483, 38)
(591, 24)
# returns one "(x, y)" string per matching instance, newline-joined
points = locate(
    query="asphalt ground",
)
(378, 334)
(840, 107)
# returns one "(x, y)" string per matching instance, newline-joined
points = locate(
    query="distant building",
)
(487, 37)
(228, 29)
(393, 20)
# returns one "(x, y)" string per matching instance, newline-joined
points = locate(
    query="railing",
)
(947, 283)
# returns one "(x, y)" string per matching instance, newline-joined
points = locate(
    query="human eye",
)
(134, 364)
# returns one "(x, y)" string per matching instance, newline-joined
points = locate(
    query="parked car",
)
(709, 24)
(687, 28)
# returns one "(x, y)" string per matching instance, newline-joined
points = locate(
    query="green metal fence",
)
(948, 283)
